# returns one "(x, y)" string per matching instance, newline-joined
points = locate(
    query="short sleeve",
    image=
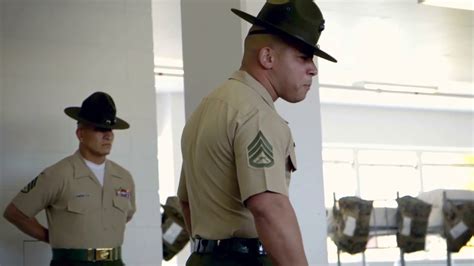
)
(37, 195)
(260, 149)
(132, 201)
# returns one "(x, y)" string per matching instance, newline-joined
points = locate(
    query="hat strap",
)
(264, 31)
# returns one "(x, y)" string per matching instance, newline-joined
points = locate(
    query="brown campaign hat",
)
(300, 21)
(98, 110)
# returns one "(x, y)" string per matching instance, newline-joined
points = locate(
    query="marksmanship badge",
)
(122, 192)
(260, 152)
(30, 186)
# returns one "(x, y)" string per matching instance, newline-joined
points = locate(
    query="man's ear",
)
(79, 134)
(266, 57)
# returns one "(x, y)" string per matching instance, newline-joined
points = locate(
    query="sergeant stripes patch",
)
(260, 152)
(30, 186)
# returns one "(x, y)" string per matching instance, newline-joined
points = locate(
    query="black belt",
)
(251, 246)
(91, 254)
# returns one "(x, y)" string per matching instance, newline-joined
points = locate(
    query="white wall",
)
(366, 125)
(212, 46)
(56, 53)
(171, 120)
(1, 93)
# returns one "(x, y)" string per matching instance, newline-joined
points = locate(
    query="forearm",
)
(187, 216)
(29, 226)
(278, 229)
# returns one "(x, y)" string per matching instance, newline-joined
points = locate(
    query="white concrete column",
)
(212, 46)
(1, 91)
(307, 187)
(54, 53)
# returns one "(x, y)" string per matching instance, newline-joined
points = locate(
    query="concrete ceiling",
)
(395, 41)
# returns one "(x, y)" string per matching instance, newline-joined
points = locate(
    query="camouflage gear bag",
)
(353, 220)
(458, 223)
(174, 235)
(412, 221)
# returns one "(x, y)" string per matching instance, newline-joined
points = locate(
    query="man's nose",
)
(108, 135)
(313, 70)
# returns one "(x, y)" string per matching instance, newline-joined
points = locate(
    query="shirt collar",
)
(251, 82)
(82, 170)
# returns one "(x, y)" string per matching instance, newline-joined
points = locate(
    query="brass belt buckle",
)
(103, 254)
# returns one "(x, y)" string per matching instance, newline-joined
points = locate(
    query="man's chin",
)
(105, 152)
(299, 99)
(295, 100)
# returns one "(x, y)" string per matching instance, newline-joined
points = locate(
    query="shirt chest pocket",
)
(80, 205)
(122, 204)
(121, 207)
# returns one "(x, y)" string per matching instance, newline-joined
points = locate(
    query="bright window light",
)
(340, 173)
(354, 96)
(448, 158)
(378, 174)
(458, 4)
(379, 86)
(407, 158)
(383, 182)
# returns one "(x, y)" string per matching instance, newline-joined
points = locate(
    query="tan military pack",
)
(458, 223)
(174, 236)
(352, 224)
(412, 221)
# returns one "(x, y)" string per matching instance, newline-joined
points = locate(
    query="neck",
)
(95, 158)
(263, 78)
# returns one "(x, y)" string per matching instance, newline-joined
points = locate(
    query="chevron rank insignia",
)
(30, 186)
(260, 152)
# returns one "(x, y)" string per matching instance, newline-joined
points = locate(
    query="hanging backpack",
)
(174, 234)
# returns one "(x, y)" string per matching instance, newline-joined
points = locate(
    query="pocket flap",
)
(122, 203)
(77, 206)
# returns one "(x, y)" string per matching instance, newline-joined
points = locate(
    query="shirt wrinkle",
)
(256, 86)
(83, 170)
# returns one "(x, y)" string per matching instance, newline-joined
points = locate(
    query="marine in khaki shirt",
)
(88, 199)
(238, 153)
(81, 212)
(255, 155)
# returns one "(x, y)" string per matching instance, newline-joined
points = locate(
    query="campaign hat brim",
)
(279, 31)
(74, 113)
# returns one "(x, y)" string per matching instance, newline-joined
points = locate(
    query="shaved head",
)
(255, 42)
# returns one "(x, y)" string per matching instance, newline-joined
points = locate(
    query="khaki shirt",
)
(81, 213)
(234, 145)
